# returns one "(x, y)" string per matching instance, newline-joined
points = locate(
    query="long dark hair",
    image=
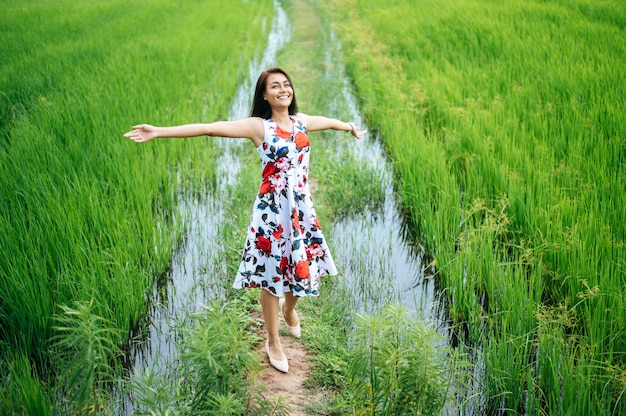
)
(260, 107)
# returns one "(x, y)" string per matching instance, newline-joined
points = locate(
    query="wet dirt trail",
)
(289, 387)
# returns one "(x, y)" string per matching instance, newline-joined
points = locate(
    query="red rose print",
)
(278, 232)
(302, 269)
(264, 244)
(276, 278)
(282, 133)
(296, 221)
(266, 187)
(269, 170)
(314, 251)
(283, 264)
(282, 164)
(302, 140)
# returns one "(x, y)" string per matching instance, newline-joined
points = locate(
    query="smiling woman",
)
(285, 252)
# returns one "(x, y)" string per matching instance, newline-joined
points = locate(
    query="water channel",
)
(370, 249)
(371, 246)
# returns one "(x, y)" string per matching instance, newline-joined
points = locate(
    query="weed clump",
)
(399, 366)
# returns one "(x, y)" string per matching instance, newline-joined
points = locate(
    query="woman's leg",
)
(289, 309)
(269, 304)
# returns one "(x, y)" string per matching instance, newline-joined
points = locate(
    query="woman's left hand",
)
(356, 132)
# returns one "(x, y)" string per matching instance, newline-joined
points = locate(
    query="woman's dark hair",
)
(260, 107)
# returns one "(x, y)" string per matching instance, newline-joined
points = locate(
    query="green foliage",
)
(349, 187)
(502, 122)
(21, 392)
(218, 370)
(156, 396)
(87, 345)
(398, 366)
(219, 356)
(86, 211)
(328, 322)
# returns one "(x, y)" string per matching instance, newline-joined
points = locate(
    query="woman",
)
(285, 252)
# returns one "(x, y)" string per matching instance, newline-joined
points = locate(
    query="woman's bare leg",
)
(289, 312)
(269, 304)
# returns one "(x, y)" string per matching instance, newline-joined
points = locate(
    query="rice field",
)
(505, 125)
(86, 217)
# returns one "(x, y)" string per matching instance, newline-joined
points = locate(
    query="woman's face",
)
(278, 91)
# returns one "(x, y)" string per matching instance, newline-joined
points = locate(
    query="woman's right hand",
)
(142, 133)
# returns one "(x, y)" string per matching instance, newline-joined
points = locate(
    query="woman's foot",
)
(295, 328)
(280, 365)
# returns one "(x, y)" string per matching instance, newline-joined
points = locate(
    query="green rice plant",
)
(87, 345)
(21, 391)
(509, 102)
(87, 212)
(398, 366)
(349, 188)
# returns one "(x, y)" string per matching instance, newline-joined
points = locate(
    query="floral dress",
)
(285, 250)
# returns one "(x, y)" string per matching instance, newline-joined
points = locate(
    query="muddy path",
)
(289, 387)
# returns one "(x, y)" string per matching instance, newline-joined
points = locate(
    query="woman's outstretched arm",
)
(316, 123)
(251, 128)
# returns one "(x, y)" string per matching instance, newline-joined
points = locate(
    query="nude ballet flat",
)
(293, 330)
(280, 365)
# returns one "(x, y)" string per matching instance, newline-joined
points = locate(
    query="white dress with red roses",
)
(285, 250)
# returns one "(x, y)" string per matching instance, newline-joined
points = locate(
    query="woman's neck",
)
(281, 117)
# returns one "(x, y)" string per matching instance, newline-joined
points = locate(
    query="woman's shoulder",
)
(302, 118)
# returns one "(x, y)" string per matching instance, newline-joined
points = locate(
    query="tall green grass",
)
(218, 369)
(86, 347)
(85, 214)
(397, 368)
(505, 125)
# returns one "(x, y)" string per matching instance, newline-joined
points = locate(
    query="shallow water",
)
(378, 264)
